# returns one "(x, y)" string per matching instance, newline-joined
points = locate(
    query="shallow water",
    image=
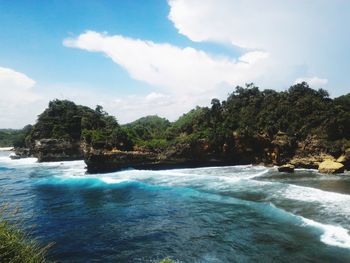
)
(217, 214)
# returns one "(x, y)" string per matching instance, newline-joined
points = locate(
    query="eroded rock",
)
(287, 168)
(330, 167)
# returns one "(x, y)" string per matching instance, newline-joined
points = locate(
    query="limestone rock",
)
(331, 167)
(53, 150)
(287, 168)
(341, 159)
(106, 161)
(345, 159)
(310, 161)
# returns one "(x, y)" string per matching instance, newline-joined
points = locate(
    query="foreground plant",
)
(167, 260)
(16, 246)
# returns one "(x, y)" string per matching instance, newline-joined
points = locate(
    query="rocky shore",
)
(281, 151)
(296, 128)
(52, 150)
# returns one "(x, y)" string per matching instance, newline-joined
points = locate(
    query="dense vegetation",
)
(67, 121)
(10, 137)
(299, 112)
(148, 132)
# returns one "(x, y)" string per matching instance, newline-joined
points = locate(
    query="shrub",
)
(16, 246)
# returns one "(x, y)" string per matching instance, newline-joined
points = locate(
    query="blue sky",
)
(164, 57)
(32, 34)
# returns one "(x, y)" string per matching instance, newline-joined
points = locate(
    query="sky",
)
(138, 58)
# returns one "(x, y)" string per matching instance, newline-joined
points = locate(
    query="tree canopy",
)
(298, 111)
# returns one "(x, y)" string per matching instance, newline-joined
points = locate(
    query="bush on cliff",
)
(147, 128)
(148, 132)
(300, 111)
(65, 120)
(103, 131)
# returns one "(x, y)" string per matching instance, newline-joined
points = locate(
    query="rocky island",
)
(299, 127)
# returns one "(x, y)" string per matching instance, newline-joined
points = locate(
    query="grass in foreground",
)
(16, 246)
(166, 260)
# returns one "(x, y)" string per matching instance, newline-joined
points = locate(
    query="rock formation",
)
(287, 168)
(330, 167)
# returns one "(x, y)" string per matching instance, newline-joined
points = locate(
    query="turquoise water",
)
(217, 214)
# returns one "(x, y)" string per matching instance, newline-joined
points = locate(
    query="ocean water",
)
(216, 214)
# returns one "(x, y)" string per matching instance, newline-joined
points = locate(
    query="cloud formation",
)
(303, 38)
(17, 98)
(280, 43)
(185, 76)
(313, 82)
(167, 66)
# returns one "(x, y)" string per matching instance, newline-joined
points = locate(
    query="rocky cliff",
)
(52, 150)
(279, 150)
(299, 126)
(179, 155)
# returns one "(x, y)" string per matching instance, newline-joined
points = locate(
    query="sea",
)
(213, 214)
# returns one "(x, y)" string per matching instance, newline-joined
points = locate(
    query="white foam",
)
(332, 235)
(109, 180)
(303, 193)
(334, 204)
(202, 178)
(24, 161)
(218, 178)
(6, 148)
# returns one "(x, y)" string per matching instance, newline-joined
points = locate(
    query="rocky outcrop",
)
(310, 152)
(52, 150)
(345, 159)
(23, 152)
(283, 147)
(310, 161)
(287, 168)
(280, 150)
(330, 167)
(179, 155)
(249, 149)
(14, 156)
(106, 161)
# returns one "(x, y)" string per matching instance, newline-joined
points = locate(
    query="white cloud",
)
(252, 24)
(186, 77)
(175, 69)
(253, 56)
(313, 82)
(280, 41)
(16, 88)
(303, 38)
(17, 99)
(130, 108)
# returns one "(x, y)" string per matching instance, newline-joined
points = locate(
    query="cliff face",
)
(52, 150)
(105, 161)
(261, 149)
(180, 155)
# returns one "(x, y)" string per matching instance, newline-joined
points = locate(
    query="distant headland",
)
(299, 127)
